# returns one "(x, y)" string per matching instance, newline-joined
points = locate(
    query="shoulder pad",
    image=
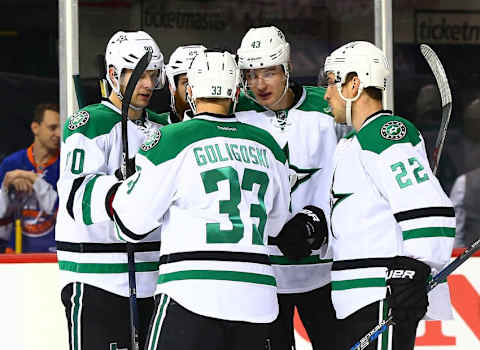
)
(386, 131)
(161, 118)
(314, 101)
(91, 121)
(247, 104)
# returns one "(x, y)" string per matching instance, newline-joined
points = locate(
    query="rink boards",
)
(32, 315)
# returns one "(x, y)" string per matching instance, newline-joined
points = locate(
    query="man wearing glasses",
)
(296, 117)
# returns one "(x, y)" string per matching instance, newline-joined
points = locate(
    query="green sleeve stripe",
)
(87, 198)
(176, 137)
(283, 260)
(106, 268)
(217, 275)
(358, 283)
(426, 232)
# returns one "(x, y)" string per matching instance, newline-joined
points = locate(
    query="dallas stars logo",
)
(152, 140)
(300, 175)
(393, 130)
(78, 119)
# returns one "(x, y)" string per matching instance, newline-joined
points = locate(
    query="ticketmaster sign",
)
(447, 27)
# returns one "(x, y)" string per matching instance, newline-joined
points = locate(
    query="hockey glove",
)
(109, 199)
(307, 230)
(407, 288)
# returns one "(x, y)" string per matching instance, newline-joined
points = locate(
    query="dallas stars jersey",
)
(87, 248)
(386, 202)
(307, 135)
(221, 188)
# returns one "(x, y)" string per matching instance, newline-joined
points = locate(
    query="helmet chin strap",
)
(348, 102)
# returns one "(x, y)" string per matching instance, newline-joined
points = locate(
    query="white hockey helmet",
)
(362, 58)
(264, 47)
(125, 49)
(180, 60)
(213, 75)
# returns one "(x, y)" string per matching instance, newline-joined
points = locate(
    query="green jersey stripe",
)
(358, 283)
(87, 198)
(77, 299)
(159, 319)
(218, 275)
(426, 232)
(105, 268)
(283, 260)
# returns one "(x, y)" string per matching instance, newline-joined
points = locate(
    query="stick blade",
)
(132, 82)
(439, 73)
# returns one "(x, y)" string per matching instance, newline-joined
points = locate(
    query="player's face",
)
(336, 103)
(267, 84)
(144, 88)
(48, 131)
(181, 95)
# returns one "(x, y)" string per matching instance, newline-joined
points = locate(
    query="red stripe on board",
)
(52, 257)
(28, 258)
(458, 251)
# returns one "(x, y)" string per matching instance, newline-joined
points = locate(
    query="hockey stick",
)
(129, 169)
(439, 277)
(101, 69)
(79, 91)
(446, 96)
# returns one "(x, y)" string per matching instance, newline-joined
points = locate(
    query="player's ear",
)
(112, 74)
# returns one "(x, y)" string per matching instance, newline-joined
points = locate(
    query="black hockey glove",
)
(307, 230)
(407, 288)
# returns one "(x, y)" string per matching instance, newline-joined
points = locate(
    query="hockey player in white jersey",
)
(93, 264)
(392, 224)
(295, 116)
(219, 188)
(176, 71)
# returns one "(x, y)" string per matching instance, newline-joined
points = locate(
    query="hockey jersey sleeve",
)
(87, 169)
(141, 200)
(424, 213)
(281, 203)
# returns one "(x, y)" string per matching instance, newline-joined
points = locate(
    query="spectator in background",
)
(29, 180)
(465, 194)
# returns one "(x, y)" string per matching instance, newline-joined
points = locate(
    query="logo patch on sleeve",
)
(78, 119)
(153, 138)
(393, 130)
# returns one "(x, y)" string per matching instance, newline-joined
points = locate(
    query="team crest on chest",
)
(393, 130)
(78, 119)
(152, 139)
